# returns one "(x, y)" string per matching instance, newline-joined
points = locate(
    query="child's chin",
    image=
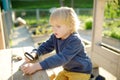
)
(57, 36)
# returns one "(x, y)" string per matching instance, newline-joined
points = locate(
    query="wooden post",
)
(2, 39)
(98, 18)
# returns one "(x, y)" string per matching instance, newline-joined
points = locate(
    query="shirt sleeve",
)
(72, 48)
(46, 47)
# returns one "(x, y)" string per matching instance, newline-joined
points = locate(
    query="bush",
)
(112, 29)
(88, 24)
(114, 33)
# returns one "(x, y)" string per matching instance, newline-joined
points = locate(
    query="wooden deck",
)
(10, 65)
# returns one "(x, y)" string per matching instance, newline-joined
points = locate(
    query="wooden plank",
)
(101, 61)
(88, 49)
(10, 66)
(28, 49)
(106, 53)
(98, 17)
(106, 74)
(40, 75)
(5, 65)
(118, 69)
(106, 59)
(2, 38)
(18, 74)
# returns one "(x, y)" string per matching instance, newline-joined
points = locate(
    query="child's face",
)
(61, 31)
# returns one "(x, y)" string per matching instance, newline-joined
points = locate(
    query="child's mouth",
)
(56, 34)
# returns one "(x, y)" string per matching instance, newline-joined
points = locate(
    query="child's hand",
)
(30, 68)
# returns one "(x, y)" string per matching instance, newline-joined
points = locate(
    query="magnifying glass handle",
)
(29, 56)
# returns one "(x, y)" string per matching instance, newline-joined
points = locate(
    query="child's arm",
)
(47, 46)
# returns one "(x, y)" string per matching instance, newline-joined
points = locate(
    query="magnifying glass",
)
(29, 56)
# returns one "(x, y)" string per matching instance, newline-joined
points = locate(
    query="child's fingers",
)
(24, 68)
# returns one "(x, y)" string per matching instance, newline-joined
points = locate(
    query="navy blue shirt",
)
(70, 54)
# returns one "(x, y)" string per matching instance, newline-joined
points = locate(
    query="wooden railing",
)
(2, 42)
(6, 25)
(103, 55)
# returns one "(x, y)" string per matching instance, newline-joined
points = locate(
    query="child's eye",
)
(58, 26)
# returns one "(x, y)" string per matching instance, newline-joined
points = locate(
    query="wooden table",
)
(10, 68)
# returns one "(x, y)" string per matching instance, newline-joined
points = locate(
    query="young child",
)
(70, 52)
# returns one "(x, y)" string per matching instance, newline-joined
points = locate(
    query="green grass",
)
(46, 4)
